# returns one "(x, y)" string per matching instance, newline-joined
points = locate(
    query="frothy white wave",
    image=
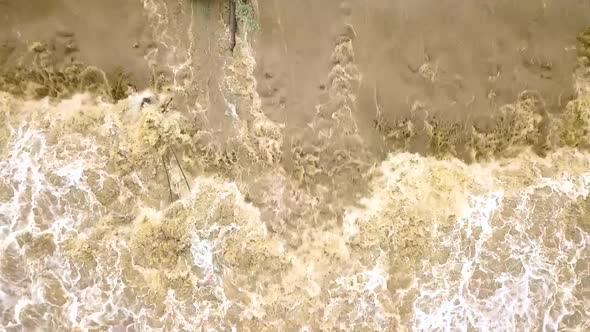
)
(510, 266)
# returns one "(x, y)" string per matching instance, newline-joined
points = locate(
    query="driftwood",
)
(233, 24)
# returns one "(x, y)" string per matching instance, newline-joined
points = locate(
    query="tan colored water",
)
(352, 166)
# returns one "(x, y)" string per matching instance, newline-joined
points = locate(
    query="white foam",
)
(527, 292)
(363, 291)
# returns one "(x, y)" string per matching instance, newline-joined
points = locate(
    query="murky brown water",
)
(352, 166)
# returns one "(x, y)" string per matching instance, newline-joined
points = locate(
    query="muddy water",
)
(380, 165)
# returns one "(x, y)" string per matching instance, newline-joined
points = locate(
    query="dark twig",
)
(233, 25)
(167, 177)
(180, 167)
(165, 107)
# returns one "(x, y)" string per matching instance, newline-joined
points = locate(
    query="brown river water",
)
(368, 165)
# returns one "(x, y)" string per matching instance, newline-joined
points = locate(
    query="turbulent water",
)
(123, 211)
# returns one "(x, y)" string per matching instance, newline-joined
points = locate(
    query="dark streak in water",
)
(232, 24)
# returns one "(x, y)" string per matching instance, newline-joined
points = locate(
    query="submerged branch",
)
(167, 177)
(165, 106)
(180, 167)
